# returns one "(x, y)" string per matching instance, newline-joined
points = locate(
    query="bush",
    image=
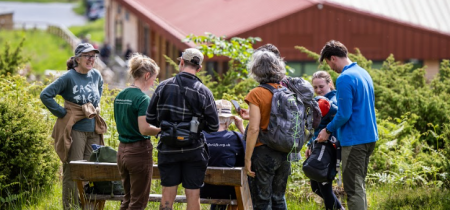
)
(235, 83)
(399, 88)
(410, 112)
(10, 62)
(27, 157)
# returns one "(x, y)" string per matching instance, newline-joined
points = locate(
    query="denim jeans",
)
(268, 187)
(135, 162)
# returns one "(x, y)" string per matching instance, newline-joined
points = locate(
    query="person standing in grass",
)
(324, 88)
(74, 133)
(355, 123)
(135, 159)
(267, 168)
(182, 150)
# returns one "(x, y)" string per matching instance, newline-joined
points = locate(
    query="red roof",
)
(219, 17)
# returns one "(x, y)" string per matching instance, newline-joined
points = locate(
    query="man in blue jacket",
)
(355, 123)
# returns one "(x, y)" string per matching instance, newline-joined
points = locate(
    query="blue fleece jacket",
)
(355, 121)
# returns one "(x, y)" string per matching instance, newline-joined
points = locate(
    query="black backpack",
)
(104, 154)
(323, 164)
(286, 130)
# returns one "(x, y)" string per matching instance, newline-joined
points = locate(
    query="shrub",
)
(235, 82)
(11, 60)
(399, 88)
(27, 157)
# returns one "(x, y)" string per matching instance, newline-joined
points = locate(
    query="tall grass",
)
(45, 51)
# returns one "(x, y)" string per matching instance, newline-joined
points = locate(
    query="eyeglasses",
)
(89, 56)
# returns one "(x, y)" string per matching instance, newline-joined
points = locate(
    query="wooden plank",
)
(95, 171)
(158, 197)
(243, 194)
(224, 176)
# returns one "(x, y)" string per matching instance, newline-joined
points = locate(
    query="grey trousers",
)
(355, 160)
(79, 150)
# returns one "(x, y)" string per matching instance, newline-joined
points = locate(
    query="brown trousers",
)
(135, 162)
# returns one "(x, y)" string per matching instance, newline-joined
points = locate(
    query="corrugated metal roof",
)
(430, 14)
(220, 17)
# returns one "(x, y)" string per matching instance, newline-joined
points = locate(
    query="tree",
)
(12, 60)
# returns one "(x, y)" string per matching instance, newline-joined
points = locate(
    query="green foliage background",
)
(27, 157)
(412, 115)
(94, 28)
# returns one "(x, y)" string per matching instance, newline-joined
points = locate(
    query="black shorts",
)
(188, 168)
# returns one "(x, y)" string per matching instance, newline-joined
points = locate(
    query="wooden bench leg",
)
(81, 193)
(243, 196)
(87, 204)
(230, 207)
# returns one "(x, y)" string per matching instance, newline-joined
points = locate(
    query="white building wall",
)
(117, 13)
(130, 30)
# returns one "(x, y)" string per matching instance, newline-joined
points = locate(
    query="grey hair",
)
(266, 67)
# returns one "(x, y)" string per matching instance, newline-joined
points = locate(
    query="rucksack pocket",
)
(176, 134)
(320, 166)
(316, 170)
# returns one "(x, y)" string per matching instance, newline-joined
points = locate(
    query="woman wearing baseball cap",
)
(79, 124)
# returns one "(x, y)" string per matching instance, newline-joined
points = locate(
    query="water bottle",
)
(194, 125)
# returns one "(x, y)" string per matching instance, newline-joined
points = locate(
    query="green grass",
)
(80, 8)
(379, 197)
(45, 51)
(94, 28)
(408, 198)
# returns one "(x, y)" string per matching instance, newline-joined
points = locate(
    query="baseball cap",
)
(223, 108)
(85, 47)
(192, 55)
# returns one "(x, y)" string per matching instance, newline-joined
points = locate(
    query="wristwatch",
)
(329, 132)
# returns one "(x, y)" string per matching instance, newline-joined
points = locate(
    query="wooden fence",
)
(69, 37)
